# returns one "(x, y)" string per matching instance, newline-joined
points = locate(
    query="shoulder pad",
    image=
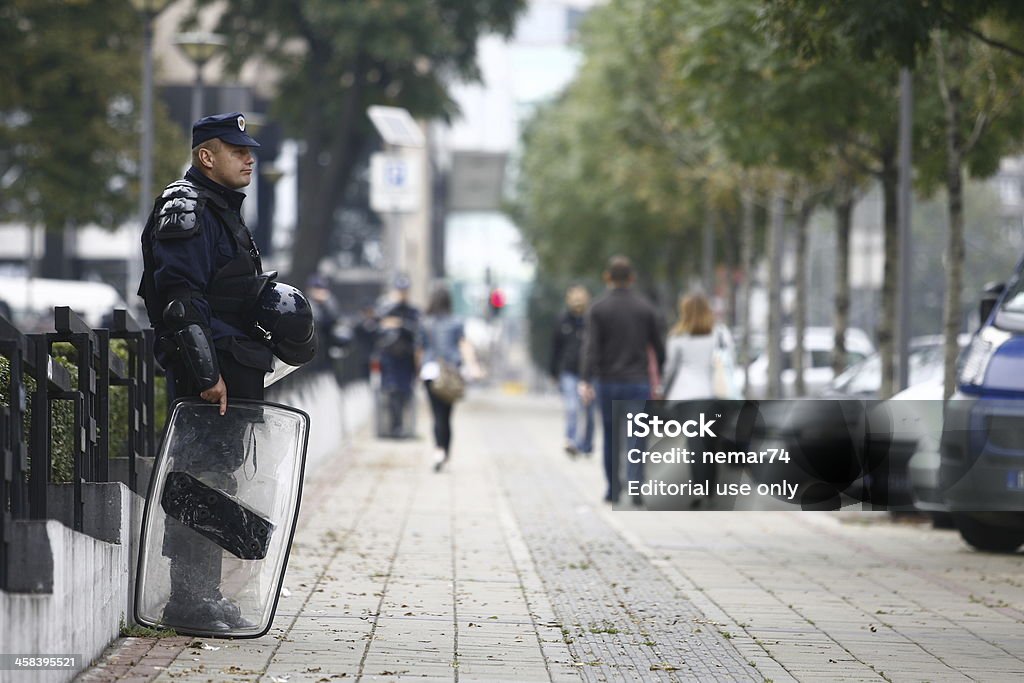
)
(180, 206)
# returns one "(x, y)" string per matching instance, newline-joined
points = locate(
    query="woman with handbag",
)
(442, 345)
(698, 368)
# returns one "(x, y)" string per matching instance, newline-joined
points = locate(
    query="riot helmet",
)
(284, 322)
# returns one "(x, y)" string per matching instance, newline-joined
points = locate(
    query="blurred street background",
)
(843, 182)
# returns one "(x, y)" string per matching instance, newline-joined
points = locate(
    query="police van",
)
(981, 469)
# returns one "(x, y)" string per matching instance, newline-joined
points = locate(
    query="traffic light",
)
(496, 302)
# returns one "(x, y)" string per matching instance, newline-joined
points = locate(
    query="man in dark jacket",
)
(396, 349)
(566, 354)
(621, 326)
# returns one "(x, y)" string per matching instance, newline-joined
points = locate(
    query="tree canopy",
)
(69, 87)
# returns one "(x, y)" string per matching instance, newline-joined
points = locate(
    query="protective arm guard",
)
(194, 346)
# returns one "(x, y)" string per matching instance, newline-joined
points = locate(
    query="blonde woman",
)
(690, 368)
(566, 350)
(690, 349)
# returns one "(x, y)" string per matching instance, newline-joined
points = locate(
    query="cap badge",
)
(241, 123)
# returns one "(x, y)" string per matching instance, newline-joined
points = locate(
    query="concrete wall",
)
(90, 592)
(334, 415)
(72, 591)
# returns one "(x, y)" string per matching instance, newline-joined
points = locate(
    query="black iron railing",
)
(27, 425)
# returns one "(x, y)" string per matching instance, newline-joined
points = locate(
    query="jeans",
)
(569, 384)
(608, 392)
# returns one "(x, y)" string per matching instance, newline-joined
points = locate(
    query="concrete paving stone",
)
(503, 670)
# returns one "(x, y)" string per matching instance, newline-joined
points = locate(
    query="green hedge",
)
(62, 413)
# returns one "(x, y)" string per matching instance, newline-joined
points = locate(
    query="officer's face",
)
(230, 165)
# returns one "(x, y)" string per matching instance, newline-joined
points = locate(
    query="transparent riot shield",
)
(222, 505)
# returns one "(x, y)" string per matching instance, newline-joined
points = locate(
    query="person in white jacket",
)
(690, 351)
(690, 367)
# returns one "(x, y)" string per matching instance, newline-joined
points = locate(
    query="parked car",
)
(981, 469)
(864, 379)
(818, 345)
(906, 429)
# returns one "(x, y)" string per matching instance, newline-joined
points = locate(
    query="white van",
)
(32, 301)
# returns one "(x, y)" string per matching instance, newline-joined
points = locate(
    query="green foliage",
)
(983, 263)
(900, 30)
(674, 110)
(991, 115)
(136, 631)
(69, 81)
(598, 174)
(62, 420)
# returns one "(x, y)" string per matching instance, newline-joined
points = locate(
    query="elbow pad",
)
(198, 356)
(195, 347)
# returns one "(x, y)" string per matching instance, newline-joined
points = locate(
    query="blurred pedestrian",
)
(396, 351)
(695, 346)
(325, 313)
(566, 348)
(620, 326)
(443, 351)
(365, 337)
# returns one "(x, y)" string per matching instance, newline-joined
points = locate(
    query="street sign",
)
(396, 126)
(394, 182)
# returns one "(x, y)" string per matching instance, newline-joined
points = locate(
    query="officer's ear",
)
(202, 155)
(206, 157)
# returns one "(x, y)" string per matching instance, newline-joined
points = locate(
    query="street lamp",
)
(148, 9)
(199, 47)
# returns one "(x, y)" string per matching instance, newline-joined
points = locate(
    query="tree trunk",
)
(954, 186)
(747, 268)
(887, 325)
(802, 210)
(708, 251)
(325, 170)
(844, 220)
(776, 239)
(56, 261)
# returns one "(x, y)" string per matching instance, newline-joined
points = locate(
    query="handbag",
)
(449, 385)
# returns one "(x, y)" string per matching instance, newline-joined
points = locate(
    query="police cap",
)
(228, 127)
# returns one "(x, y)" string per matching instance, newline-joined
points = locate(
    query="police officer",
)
(202, 269)
(201, 282)
(396, 348)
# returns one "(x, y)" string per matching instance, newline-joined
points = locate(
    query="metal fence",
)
(26, 416)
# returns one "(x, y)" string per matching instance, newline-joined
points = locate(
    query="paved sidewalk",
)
(508, 567)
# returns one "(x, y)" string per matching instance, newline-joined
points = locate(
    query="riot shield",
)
(222, 505)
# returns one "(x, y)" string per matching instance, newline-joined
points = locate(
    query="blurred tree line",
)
(739, 119)
(69, 115)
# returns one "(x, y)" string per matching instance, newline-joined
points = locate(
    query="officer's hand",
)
(218, 393)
